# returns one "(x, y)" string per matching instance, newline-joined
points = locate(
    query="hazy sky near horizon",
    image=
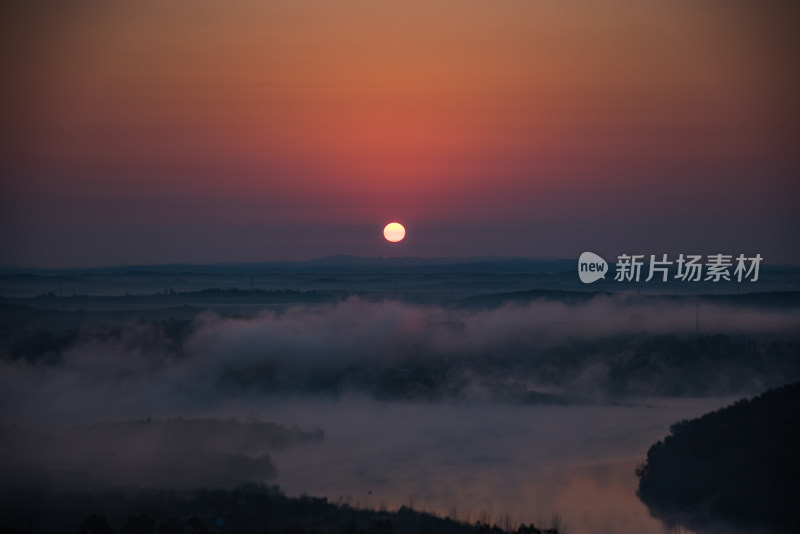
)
(157, 132)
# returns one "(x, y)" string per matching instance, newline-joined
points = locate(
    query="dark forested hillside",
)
(247, 509)
(738, 465)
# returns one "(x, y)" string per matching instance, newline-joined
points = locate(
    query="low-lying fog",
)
(517, 412)
(475, 462)
(488, 461)
(606, 350)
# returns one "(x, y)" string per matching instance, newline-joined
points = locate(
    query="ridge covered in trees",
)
(249, 508)
(735, 466)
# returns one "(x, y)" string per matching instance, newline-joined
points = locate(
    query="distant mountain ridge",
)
(328, 264)
(344, 262)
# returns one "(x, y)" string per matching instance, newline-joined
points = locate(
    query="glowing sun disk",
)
(394, 232)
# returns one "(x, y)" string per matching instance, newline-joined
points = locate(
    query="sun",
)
(394, 232)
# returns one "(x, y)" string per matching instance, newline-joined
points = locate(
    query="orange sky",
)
(300, 128)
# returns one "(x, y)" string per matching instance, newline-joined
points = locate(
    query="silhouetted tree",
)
(139, 524)
(95, 524)
(196, 526)
(171, 526)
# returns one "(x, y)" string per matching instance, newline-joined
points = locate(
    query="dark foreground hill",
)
(737, 468)
(247, 509)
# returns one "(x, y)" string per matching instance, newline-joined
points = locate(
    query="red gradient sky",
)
(187, 131)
